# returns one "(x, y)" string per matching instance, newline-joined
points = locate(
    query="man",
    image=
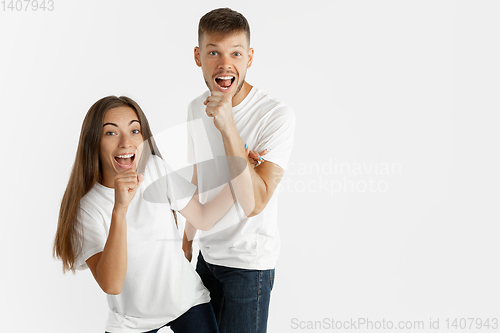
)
(238, 255)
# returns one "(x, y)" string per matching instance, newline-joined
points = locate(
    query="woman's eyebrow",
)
(113, 124)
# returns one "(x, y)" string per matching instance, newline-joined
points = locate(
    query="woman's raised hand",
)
(126, 185)
(254, 157)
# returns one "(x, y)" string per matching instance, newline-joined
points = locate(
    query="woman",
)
(118, 222)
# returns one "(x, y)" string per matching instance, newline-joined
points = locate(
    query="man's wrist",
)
(188, 250)
(229, 130)
(187, 245)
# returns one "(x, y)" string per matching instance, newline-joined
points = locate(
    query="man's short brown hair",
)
(223, 22)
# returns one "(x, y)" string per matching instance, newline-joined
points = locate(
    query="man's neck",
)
(242, 94)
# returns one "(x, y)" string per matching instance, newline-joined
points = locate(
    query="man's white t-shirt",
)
(160, 284)
(263, 123)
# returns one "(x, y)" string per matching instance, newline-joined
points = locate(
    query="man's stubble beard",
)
(237, 90)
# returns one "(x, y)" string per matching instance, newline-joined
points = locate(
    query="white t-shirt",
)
(160, 284)
(263, 123)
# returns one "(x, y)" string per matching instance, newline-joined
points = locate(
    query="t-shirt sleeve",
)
(92, 235)
(277, 136)
(179, 190)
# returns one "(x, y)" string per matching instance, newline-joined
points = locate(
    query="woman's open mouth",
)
(224, 82)
(125, 161)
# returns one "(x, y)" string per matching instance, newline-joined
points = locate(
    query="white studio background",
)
(389, 210)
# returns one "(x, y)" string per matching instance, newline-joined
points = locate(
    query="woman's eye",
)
(136, 131)
(110, 133)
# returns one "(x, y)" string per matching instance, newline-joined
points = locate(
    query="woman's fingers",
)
(257, 156)
(126, 185)
(253, 154)
(254, 157)
(127, 175)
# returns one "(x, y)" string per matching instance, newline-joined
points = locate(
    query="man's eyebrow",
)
(215, 45)
(113, 124)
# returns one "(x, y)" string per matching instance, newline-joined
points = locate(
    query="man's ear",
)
(197, 56)
(250, 57)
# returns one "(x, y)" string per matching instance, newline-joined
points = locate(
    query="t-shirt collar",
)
(245, 101)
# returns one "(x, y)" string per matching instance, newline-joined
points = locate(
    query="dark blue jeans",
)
(198, 319)
(240, 297)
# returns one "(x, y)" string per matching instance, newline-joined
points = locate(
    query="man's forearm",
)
(264, 178)
(187, 241)
(190, 231)
(240, 170)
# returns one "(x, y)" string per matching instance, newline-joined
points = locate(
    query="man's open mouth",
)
(224, 82)
(125, 159)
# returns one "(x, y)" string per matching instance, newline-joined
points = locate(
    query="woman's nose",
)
(125, 141)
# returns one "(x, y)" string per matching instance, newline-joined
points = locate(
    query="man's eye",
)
(237, 54)
(213, 53)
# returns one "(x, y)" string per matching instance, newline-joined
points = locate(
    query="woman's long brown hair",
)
(87, 171)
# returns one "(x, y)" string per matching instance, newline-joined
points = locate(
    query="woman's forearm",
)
(109, 267)
(204, 216)
(112, 265)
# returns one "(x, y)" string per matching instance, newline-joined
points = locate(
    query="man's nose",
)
(225, 63)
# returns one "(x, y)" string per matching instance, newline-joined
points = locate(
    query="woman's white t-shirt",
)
(160, 284)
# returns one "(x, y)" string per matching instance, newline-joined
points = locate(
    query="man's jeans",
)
(240, 297)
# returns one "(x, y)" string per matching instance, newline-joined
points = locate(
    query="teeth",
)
(225, 77)
(125, 156)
